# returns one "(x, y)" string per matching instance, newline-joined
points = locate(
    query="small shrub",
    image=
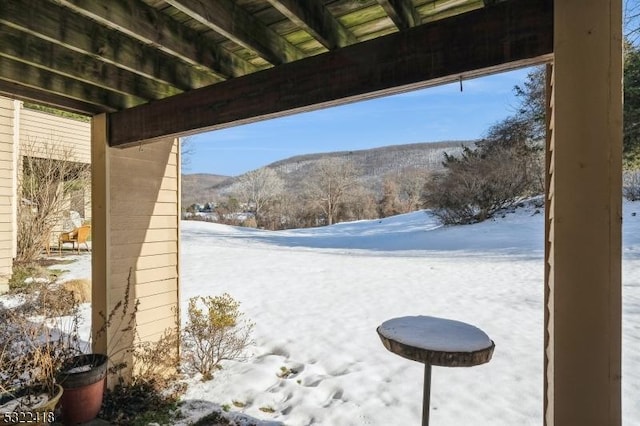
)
(476, 186)
(267, 409)
(156, 362)
(29, 277)
(631, 185)
(214, 418)
(139, 403)
(31, 353)
(215, 331)
(55, 301)
(250, 222)
(80, 289)
(286, 372)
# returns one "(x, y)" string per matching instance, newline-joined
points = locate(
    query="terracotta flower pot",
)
(83, 379)
(41, 406)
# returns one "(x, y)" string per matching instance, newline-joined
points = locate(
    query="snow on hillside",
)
(317, 296)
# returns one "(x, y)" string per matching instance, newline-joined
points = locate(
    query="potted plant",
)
(37, 336)
(29, 359)
(83, 378)
(30, 404)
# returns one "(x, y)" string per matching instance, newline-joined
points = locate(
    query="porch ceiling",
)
(108, 56)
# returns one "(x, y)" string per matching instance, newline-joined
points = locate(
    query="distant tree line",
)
(331, 192)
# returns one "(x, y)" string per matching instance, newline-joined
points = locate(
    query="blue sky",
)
(428, 115)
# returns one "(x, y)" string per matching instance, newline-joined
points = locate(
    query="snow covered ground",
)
(317, 296)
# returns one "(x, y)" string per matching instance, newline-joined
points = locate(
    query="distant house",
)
(25, 131)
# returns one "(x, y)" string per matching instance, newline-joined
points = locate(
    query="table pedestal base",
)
(426, 395)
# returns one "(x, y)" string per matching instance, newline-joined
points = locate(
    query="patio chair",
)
(78, 235)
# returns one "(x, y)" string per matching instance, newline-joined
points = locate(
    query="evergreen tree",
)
(631, 139)
(532, 103)
(506, 165)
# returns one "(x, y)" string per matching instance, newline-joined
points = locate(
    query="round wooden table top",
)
(436, 341)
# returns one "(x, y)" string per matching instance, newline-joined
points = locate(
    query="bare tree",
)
(329, 182)
(360, 204)
(389, 204)
(632, 20)
(259, 188)
(186, 152)
(411, 182)
(631, 185)
(46, 180)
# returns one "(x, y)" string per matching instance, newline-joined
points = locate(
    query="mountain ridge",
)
(373, 165)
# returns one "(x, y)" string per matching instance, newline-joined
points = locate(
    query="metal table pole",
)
(426, 396)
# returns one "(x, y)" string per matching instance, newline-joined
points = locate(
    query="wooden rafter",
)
(149, 26)
(85, 36)
(34, 77)
(441, 9)
(30, 49)
(401, 12)
(36, 95)
(227, 18)
(506, 36)
(313, 17)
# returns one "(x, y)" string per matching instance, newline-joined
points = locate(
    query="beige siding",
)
(68, 135)
(47, 135)
(8, 113)
(140, 253)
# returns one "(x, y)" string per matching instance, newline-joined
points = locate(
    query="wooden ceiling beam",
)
(313, 17)
(401, 12)
(441, 13)
(30, 49)
(150, 26)
(24, 93)
(227, 18)
(506, 36)
(46, 81)
(85, 36)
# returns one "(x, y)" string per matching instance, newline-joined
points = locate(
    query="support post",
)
(583, 348)
(135, 225)
(99, 236)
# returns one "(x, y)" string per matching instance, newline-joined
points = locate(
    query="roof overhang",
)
(175, 67)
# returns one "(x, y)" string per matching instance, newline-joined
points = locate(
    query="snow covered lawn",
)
(317, 296)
